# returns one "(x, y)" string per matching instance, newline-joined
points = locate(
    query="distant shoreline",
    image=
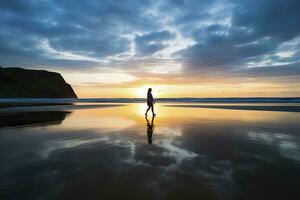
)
(244, 107)
(163, 100)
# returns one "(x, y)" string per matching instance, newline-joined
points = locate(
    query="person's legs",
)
(152, 109)
(147, 110)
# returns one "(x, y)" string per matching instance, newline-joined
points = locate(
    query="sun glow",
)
(141, 92)
(99, 78)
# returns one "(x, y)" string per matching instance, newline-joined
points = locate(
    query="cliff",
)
(24, 83)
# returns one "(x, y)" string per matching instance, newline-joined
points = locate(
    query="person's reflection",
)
(150, 128)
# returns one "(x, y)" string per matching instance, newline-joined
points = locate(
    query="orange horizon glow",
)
(177, 91)
(125, 85)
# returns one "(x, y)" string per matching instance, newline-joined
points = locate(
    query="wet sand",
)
(282, 108)
(113, 152)
(55, 107)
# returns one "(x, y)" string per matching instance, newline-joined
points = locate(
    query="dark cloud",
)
(273, 18)
(272, 71)
(227, 35)
(152, 42)
(90, 28)
(255, 33)
(218, 46)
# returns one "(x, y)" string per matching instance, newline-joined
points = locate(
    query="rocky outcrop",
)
(24, 83)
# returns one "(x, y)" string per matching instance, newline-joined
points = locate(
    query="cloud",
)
(255, 36)
(83, 28)
(275, 71)
(152, 42)
(227, 37)
(221, 46)
(270, 18)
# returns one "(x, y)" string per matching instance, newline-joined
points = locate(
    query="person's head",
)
(149, 90)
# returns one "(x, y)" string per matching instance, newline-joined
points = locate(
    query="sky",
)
(180, 48)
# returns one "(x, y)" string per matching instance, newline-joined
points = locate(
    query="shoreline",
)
(280, 108)
(54, 108)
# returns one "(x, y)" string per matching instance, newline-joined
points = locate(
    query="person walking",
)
(150, 102)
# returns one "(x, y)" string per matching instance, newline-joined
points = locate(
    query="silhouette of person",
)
(150, 102)
(150, 129)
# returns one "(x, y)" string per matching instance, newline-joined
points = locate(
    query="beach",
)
(188, 151)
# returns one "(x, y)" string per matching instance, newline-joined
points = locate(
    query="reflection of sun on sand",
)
(132, 115)
(117, 118)
(176, 114)
(98, 118)
(142, 107)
